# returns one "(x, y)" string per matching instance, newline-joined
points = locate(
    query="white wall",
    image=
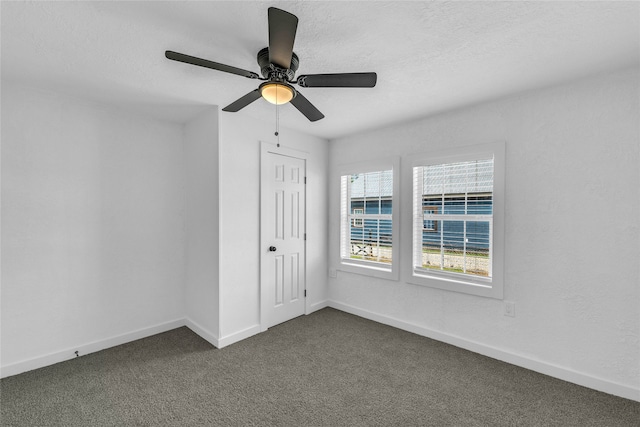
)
(240, 220)
(92, 226)
(572, 233)
(201, 281)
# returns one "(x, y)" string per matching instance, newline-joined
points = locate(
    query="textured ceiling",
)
(429, 56)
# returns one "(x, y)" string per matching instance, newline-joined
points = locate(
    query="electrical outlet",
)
(510, 308)
(333, 272)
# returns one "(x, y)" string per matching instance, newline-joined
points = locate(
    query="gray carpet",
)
(326, 369)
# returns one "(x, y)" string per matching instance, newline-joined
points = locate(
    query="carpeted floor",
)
(326, 369)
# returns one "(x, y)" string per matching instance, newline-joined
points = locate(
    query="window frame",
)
(457, 282)
(370, 268)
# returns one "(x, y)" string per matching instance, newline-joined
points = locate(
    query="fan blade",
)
(338, 80)
(305, 107)
(242, 102)
(181, 57)
(282, 34)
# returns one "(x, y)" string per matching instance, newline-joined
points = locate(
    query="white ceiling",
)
(429, 56)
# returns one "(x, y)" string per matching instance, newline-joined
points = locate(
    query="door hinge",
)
(305, 236)
(305, 179)
(305, 293)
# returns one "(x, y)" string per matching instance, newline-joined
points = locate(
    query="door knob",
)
(272, 249)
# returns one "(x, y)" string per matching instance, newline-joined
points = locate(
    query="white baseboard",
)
(84, 349)
(317, 306)
(550, 369)
(238, 336)
(202, 332)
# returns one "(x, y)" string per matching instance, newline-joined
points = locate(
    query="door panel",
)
(283, 245)
(279, 215)
(295, 276)
(278, 268)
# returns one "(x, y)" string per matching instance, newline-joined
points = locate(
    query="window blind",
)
(453, 218)
(366, 217)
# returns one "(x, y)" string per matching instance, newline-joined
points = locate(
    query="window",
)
(428, 223)
(357, 217)
(457, 205)
(367, 223)
(369, 196)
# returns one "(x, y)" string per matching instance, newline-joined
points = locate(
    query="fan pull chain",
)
(277, 134)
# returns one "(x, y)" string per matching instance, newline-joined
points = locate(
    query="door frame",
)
(267, 148)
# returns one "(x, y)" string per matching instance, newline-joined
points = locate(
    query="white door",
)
(282, 237)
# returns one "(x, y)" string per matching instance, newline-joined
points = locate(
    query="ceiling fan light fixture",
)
(277, 93)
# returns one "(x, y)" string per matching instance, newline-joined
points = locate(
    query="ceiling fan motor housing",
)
(272, 71)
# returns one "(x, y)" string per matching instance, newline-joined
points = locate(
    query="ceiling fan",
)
(278, 64)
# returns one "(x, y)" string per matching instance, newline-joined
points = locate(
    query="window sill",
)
(479, 286)
(373, 269)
